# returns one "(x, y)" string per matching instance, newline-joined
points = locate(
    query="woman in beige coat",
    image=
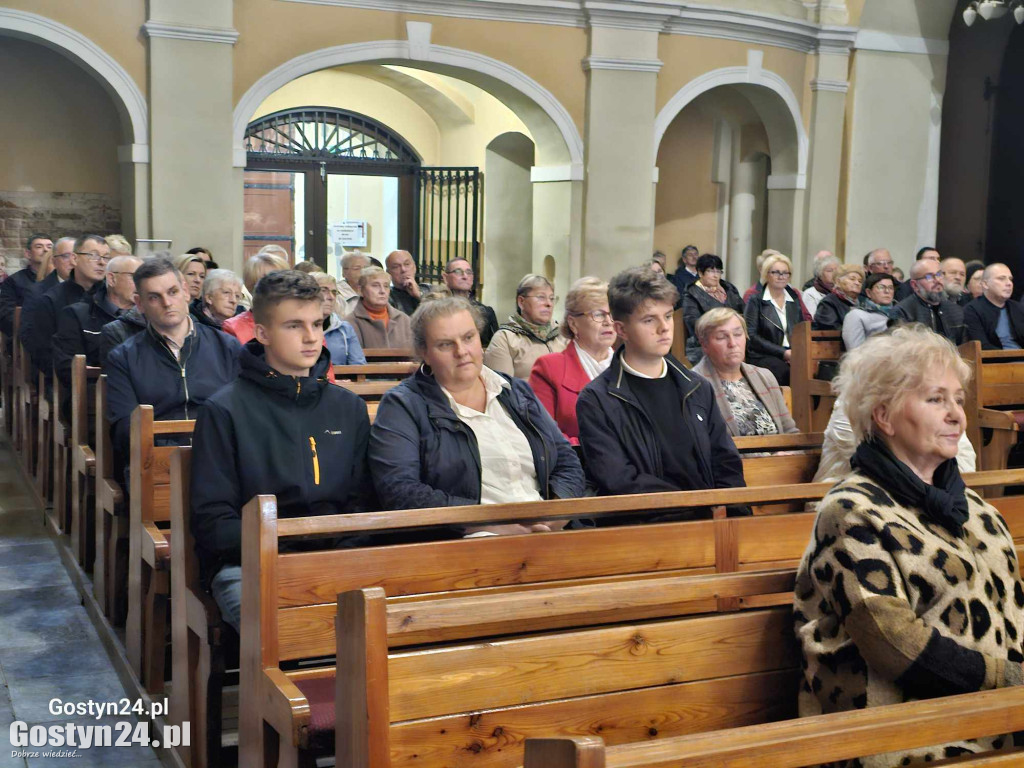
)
(530, 333)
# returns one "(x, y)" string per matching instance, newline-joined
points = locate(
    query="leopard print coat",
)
(891, 607)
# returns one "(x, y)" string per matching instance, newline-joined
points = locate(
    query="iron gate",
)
(450, 217)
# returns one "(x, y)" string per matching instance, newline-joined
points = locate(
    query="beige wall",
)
(549, 54)
(508, 219)
(59, 120)
(112, 24)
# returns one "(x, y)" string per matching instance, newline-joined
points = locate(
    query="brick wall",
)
(55, 213)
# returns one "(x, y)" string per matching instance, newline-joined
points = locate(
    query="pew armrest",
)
(156, 549)
(108, 495)
(989, 418)
(83, 458)
(285, 706)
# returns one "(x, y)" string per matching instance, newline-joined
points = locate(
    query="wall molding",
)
(398, 51)
(836, 86)
(622, 65)
(752, 74)
(80, 49)
(873, 40)
(133, 153)
(543, 174)
(154, 28)
(651, 15)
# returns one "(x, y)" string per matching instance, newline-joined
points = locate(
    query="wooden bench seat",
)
(994, 402)
(370, 371)
(388, 354)
(83, 463)
(809, 740)
(149, 545)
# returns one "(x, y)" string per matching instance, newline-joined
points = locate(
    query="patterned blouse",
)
(752, 418)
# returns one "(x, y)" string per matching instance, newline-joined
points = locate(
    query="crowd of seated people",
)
(536, 409)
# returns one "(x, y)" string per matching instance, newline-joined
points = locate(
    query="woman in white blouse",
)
(771, 314)
(457, 433)
(558, 378)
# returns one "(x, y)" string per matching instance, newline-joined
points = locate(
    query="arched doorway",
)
(317, 179)
(732, 166)
(97, 167)
(440, 82)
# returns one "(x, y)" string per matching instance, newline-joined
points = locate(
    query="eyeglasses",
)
(882, 263)
(930, 276)
(716, 271)
(779, 273)
(94, 256)
(461, 272)
(543, 299)
(120, 273)
(599, 316)
(329, 292)
(883, 288)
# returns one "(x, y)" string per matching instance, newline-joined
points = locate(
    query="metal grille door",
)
(450, 215)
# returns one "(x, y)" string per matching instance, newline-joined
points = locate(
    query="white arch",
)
(751, 75)
(83, 51)
(399, 51)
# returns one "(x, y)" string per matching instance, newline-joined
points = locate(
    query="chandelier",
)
(993, 9)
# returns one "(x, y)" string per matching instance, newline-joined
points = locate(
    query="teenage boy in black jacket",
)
(280, 428)
(647, 424)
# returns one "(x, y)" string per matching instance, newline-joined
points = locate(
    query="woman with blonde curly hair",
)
(910, 586)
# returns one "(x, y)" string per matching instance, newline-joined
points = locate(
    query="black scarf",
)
(943, 501)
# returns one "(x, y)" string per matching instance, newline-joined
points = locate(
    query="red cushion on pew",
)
(319, 692)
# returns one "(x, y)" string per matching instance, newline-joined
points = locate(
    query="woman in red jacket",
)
(558, 378)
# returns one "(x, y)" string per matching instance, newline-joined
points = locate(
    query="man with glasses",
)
(91, 256)
(928, 303)
(405, 292)
(458, 276)
(13, 290)
(80, 325)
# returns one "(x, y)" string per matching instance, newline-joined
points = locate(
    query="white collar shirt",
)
(780, 312)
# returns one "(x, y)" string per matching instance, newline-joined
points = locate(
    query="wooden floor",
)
(49, 647)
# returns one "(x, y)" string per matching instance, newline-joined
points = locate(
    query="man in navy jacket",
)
(647, 424)
(280, 428)
(175, 365)
(994, 319)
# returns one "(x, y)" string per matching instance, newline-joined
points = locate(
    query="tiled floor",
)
(48, 647)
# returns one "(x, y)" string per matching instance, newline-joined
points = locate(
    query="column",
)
(190, 63)
(618, 195)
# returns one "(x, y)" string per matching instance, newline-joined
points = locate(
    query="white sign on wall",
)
(349, 233)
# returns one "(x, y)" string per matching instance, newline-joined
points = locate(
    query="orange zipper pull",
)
(316, 461)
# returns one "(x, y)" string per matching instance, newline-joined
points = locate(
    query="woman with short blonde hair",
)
(193, 269)
(771, 315)
(833, 309)
(910, 585)
(558, 378)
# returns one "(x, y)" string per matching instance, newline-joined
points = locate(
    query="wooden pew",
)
(994, 402)
(45, 467)
(203, 646)
(110, 570)
(290, 620)
(149, 545)
(370, 371)
(809, 740)
(791, 460)
(388, 355)
(812, 398)
(60, 456)
(371, 391)
(83, 464)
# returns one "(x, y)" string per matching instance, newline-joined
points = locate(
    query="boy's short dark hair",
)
(153, 267)
(280, 286)
(629, 289)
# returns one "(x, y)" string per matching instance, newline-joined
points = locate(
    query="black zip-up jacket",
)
(118, 331)
(766, 335)
(40, 323)
(12, 294)
(981, 317)
(144, 370)
(301, 439)
(422, 455)
(832, 311)
(947, 318)
(79, 329)
(619, 445)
